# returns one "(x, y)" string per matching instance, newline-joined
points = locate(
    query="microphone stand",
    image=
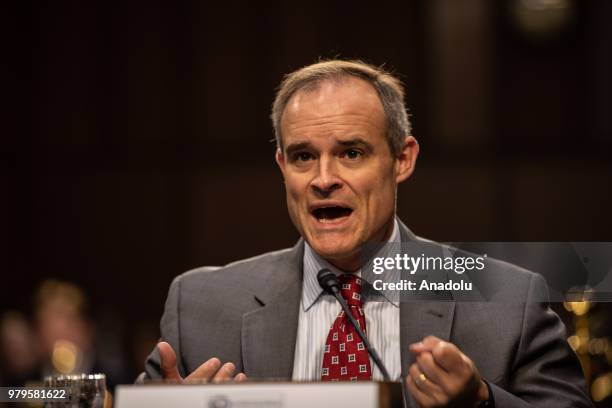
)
(329, 282)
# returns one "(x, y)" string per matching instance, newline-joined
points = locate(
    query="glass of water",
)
(84, 390)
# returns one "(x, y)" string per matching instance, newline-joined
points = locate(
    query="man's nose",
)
(326, 180)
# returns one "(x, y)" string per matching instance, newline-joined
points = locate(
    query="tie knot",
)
(350, 286)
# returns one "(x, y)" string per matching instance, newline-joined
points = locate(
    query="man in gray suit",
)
(344, 144)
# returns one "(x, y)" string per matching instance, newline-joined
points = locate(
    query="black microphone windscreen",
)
(327, 280)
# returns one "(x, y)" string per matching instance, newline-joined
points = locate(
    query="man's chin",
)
(343, 256)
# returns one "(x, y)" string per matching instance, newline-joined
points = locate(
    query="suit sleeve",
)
(170, 332)
(545, 372)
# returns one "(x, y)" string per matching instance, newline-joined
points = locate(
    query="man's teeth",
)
(332, 219)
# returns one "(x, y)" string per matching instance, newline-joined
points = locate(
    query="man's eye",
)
(352, 154)
(303, 156)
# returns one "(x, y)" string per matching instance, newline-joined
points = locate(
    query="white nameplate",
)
(365, 394)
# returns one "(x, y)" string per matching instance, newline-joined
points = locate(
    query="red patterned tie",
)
(346, 358)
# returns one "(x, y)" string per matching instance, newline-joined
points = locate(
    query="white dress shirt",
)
(319, 310)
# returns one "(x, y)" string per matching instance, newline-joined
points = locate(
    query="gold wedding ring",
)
(421, 378)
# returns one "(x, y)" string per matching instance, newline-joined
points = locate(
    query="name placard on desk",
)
(363, 394)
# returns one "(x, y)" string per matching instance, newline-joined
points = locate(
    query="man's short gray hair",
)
(389, 88)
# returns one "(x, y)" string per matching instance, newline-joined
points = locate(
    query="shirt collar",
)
(313, 263)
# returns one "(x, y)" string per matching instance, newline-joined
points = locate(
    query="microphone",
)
(329, 282)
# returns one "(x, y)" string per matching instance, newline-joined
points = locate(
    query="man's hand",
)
(443, 376)
(211, 370)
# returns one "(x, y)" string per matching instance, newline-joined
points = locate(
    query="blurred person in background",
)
(67, 335)
(19, 350)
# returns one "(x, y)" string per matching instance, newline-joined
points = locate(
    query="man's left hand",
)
(443, 376)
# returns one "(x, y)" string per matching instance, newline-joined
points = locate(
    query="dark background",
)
(136, 143)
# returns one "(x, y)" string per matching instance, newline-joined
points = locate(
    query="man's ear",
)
(280, 160)
(405, 159)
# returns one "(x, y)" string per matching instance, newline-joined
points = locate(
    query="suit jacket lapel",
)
(269, 333)
(419, 319)
(422, 317)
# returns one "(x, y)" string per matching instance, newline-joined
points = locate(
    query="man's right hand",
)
(211, 371)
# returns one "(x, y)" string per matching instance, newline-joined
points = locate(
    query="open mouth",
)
(331, 214)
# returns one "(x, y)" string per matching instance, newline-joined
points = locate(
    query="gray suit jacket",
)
(247, 313)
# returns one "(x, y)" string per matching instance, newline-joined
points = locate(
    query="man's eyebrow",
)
(295, 147)
(358, 141)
